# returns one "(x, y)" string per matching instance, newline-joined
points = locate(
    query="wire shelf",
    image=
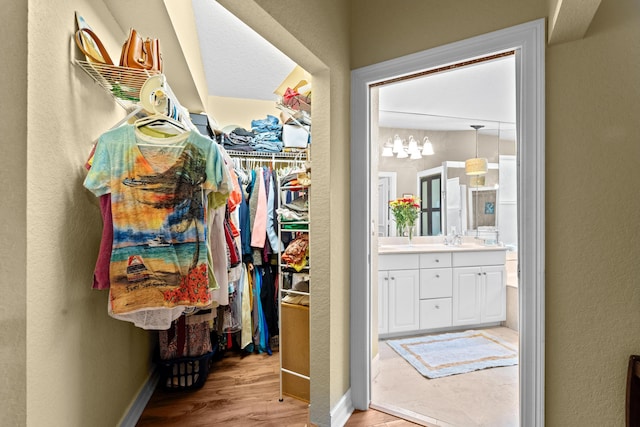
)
(295, 155)
(121, 82)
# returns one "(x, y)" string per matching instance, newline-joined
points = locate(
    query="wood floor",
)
(243, 391)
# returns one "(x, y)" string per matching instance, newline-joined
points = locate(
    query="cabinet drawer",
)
(435, 259)
(435, 313)
(473, 258)
(398, 262)
(436, 283)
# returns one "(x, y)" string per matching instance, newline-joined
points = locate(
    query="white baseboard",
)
(134, 411)
(342, 411)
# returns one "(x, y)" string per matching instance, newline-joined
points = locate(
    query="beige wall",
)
(83, 368)
(592, 297)
(13, 193)
(239, 111)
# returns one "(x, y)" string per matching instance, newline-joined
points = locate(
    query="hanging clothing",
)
(259, 230)
(219, 258)
(158, 196)
(245, 339)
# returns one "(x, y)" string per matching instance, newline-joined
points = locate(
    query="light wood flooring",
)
(243, 391)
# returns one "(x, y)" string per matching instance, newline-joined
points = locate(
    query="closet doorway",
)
(527, 41)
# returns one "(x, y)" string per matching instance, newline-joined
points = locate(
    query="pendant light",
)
(477, 165)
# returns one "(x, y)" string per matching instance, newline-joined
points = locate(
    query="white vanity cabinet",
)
(479, 288)
(398, 293)
(428, 290)
(436, 290)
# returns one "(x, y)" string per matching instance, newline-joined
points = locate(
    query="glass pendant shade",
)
(387, 152)
(397, 144)
(413, 145)
(427, 149)
(476, 166)
(402, 154)
(415, 155)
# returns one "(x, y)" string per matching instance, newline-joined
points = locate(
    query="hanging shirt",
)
(158, 200)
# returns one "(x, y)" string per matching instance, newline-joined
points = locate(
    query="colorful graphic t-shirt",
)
(158, 202)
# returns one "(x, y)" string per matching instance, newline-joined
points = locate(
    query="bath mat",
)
(436, 356)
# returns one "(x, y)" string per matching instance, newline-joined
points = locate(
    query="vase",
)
(410, 231)
(406, 230)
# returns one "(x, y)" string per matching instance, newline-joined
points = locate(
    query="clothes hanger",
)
(155, 98)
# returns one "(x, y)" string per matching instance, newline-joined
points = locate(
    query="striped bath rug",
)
(436, 356)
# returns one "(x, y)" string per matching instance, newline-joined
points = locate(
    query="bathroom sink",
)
(433, 247)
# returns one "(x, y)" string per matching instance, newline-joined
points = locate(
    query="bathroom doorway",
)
(527, 41)
(481, 94)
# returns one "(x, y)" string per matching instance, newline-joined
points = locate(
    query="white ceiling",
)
(240, 63)
(482, 94)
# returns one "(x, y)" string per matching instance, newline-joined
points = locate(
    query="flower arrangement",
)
(405, 211)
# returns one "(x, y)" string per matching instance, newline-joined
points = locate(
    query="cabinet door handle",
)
(437, 307)
(393, 278)
(386, 278)
(437, 276)
(437, 260)
(484, 274)
(479, 274)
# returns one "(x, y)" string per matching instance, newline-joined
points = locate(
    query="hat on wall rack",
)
(476, 165)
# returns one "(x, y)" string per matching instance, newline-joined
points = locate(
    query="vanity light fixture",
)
(402, 150)
(477, 165)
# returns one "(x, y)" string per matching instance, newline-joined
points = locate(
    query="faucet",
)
(453, 238)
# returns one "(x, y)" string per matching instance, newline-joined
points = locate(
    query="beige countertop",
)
(399, 246)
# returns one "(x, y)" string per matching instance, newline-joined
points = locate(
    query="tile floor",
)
(482, 398)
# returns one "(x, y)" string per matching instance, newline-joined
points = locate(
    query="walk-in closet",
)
(205, 240)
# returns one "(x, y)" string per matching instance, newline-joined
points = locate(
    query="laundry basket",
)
(186, 373)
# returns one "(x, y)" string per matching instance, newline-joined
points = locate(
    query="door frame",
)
(528, 40)
(393, 185)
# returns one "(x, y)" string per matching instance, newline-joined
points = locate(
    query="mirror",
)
(452, 204)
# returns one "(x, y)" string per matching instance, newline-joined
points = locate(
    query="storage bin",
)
(295, 136)
(186, 373)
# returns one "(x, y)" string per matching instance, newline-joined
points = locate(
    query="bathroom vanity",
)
(426, 287)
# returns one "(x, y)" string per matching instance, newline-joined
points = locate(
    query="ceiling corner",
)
(570, 19)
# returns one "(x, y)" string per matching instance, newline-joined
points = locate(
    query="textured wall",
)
(239, 111)
(13, 176)
(316, 37)
(593, 298)
(329, 209)
(592, 88)
(83, 368)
